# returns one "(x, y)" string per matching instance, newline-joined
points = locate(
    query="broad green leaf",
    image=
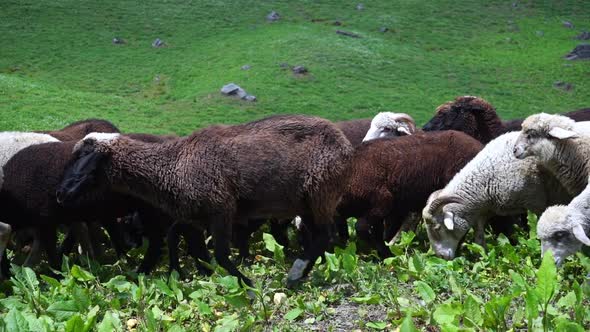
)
(111, 322)
(457, 291)
(82, 298)
(369, 299)
(51, 281)
(229, 282)
(446, 313)
(74, 324)
(151, 323)
(333, 262)
(567, 326)
(349, 262)
(16, 322)
(163, 287)
(568, 301)
(416, 264)
(228, 324)
(160, 315)
(377, 325)
(272, 246)
(472, 312)
(425, 291)
(237, 300)
(63, 310)
(80, 274)
(546, 278)
(176, 328)
(91, 319)
(119, 283)
(408, 325)
(293, 314)
(531, 303)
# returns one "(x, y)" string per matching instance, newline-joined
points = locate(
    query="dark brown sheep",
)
(478, 118)
(77, 130)
(354, 130)
(393, 177)
(279, 166)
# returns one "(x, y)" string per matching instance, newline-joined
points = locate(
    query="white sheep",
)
(562, 229)
(10, 144)
(388, 124)
(493, 183)
(559, 144)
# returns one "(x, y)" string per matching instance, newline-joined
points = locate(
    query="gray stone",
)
(118, 41)
(284, 65)
(246, 67)
(585, 35)
(249, 98)
(383, 29)
(299, 70)
(580, 52)
(348, 34)
(540, 33)
(360, 6)
(568, 24)
(158, 43)
(273, 16)
(337, 23)
(230, 89)
(563, 85)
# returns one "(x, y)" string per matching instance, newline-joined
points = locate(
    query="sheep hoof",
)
(296, 272)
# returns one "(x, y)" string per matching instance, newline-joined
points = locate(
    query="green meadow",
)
(58, 64)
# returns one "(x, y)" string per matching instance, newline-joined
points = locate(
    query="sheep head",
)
(83, 170)
(460, 114)
(388, 124)
(540, 134)
(444, 225)
(560, 230)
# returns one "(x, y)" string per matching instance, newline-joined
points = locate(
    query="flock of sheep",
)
(466, 169)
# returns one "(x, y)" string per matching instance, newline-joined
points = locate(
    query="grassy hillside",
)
(58, 64)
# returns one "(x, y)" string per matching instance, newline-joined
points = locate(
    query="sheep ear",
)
(561, 133)
(579, 233)
(448, 221)
(403, 130)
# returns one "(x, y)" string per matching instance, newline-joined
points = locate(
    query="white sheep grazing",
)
(562, 229)
(559, 144)
(10, 144)
(388, 124)
(493, 183)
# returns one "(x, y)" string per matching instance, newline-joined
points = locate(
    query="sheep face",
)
(388, 124)
(539, 135)
(560, 231)
(445, 227)
(458, 115)
(83, 172)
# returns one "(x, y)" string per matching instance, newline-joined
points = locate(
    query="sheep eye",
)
(560, 235)
(387, 129)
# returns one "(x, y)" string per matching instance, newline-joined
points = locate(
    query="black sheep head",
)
(462, 114)
(82, 173)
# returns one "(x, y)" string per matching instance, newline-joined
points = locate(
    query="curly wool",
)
(12, 142)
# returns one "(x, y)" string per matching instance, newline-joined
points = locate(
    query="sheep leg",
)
(173, 240)
(116, 236)
(67, 245)
(5, 231)
(34, 256)
(279, 229)
(222, 233)
(479, 233)
(154, 250)
(97, 237)
(377, 238)
(48, 238)
(195, 241)
(342, 229)
(4, 267)
(82, 233)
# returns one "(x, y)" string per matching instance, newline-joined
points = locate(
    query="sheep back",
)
(396, 175)
(354, 130)
(79, 129)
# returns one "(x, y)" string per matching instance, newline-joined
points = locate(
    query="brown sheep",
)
(279, 166)
(478, 118)
(77, 130)
(391, 178)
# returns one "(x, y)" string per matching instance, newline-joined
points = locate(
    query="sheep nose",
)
(59, 195)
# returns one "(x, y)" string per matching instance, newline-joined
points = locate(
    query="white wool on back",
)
(12, 142)
(494, 177)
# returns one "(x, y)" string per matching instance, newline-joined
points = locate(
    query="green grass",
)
(58, 65)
